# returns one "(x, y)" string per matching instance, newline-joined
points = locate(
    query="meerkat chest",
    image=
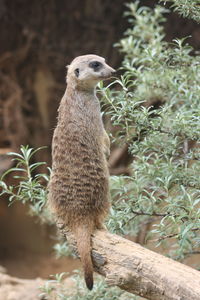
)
(87, 114)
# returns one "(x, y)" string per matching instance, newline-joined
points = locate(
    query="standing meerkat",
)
(79, 188)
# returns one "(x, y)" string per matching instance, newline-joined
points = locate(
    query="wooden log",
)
(141, 271)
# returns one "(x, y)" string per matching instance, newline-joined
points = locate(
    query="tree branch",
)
(139, 270)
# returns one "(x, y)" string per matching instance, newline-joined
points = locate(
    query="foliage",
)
(56, 287)
(156, 105)
(63, 249)
(30, 188)
(187, 8)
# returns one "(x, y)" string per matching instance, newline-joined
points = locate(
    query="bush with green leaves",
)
(186, 8)
(155, 106)
(55, 288)
(30, 187)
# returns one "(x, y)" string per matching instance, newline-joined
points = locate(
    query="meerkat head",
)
(87, 70)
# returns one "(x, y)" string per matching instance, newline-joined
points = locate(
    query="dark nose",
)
(113, 71)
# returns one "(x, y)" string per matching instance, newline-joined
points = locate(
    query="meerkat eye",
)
(76, 72)
(95, 65)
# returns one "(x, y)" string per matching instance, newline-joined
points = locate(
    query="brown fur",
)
(78, 188)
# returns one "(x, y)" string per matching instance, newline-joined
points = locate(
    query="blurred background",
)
(37, 40)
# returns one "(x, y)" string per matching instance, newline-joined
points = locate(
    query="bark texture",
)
(141, 271)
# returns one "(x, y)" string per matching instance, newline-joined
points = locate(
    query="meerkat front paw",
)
(106, 151)
(106, 144)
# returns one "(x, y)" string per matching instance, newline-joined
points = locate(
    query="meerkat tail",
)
(83, 237)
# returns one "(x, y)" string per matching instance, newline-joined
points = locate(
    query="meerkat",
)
(79, 187)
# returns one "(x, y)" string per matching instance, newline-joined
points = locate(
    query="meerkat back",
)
(79, 188)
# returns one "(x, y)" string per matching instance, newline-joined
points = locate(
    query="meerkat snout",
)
(87, 70)
(107, 72)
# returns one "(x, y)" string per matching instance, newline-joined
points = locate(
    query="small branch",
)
(185, 147)
(191, 253)
(169, 236)
(172, 235)
(153, 214)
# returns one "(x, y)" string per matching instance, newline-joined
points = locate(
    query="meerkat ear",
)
(76, 72)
